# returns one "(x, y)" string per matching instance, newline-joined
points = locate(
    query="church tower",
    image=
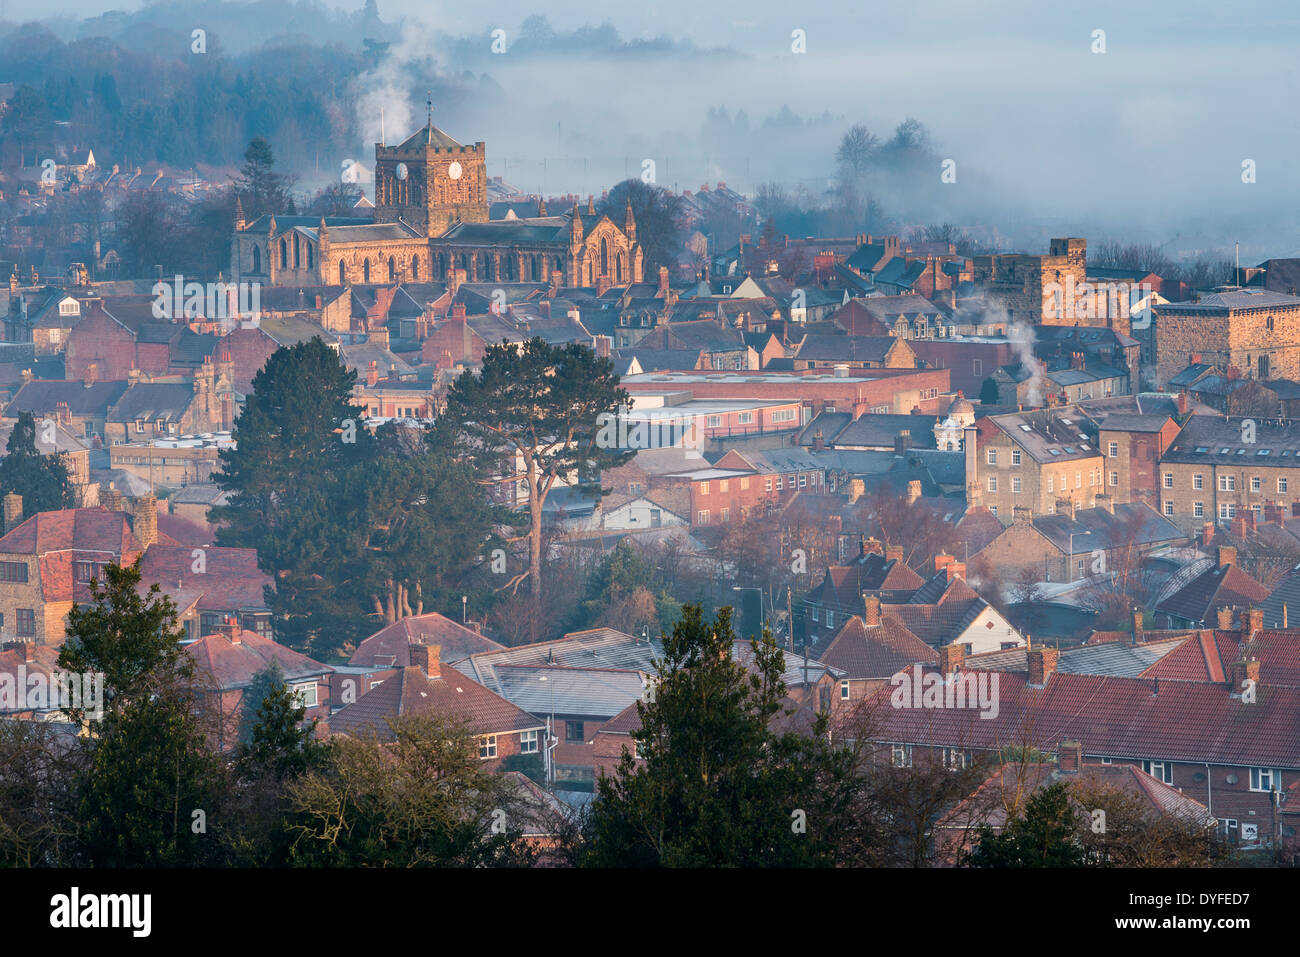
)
(430, 181)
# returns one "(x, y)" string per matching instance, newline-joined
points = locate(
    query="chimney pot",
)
(952, 658)
(1070, 757)
(871, 610)
(1042, 662)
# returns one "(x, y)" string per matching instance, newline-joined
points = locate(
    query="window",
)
(26, 622)
(1198, 510)
(1169, 509)
(993, 456)
(1078, 480)
(1281, 485)
(1015, 456)
(712, 421)
(1114, 479)
(767, 485)
(1256, 483)
(702, 518)
(783, 415)
(1198, 481)
(1051, 484)
(830, 618)
(803, 480)
(744, 484)
(844, 689)
(816, 613)
(746, 418)
(1169, 480)
(780, 482)
(84, 572)
(1227, 510)
(724, 514)
(574, 731)
(1160, 770)
(1228, 829)
(978, 367)
(1015, 484)
(1227, 483)
(724, 486)
(1114, 450)
(902, 755)
(993, 483)
(993, 510)
(13, 571)
(527, 742)
(704, 488)
(487, 746)
(305, 694)
(1265, 779)
(954, 759)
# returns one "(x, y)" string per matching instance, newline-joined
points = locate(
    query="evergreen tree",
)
(42, 480)
(533, 415)
(1046, 835)
(261, 189)
(152, 776)
(719, 786)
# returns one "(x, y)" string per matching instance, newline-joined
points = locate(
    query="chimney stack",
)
(956, 570)
(894, 553)
(1227, 556)
(1241, 672)
(13, 511)
(1137, 626)
(951, 658)
(1042, 662)
(428, 659)
(1070, 757)
(942, 561)
(1224, 615)
(145, 525)
(1207, 534)
(871, 610)
(230, 628)
(1252, 623)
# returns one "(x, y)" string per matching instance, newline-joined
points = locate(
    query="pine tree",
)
(42, 480)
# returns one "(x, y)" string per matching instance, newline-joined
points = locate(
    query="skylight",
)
(1263, 451)
(1069, 450)
(1199, 448)
(1055, 451)
(1025, 428)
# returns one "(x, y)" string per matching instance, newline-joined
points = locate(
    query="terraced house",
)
(1219, 466)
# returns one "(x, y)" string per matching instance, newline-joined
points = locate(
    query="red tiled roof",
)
(61, 538)
(1196, 722)
(230, 578)
(391, 645)
(232, 665)
(1211, 655)
(625, 722)
(877, 652)
(452, 694)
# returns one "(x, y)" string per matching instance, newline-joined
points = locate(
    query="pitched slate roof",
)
(451, 694)
(152, 401)
(843, 585)
(880, 429)
(42, 396)
(391, 645)
(1197, 598)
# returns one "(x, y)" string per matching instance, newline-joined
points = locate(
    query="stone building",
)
(1255, 331)
(1053, 289)
(430, 221)
(1045, 461)
(1219, 466)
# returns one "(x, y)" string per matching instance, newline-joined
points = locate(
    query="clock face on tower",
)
(454, 170)
(401, 171)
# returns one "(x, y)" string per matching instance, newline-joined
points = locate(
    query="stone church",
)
(431, 217)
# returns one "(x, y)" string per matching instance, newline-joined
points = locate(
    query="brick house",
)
(1133, 444)
(1206, 588)
(79, 406)
(855, 352)
(501, 729)
(227, 662)
(1228, 744)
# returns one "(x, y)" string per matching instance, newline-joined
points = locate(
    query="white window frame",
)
(487, 747)
(528, 742)
(305, 694)
(1264, 779)
(1166, 769)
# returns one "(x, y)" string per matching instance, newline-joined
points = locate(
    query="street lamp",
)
(551, 740)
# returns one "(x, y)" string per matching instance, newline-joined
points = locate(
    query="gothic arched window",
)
(604, 258)
(257, 259)
(392, 269)
(365, 270)
(415, 267)
(343, 274)
(284, 254)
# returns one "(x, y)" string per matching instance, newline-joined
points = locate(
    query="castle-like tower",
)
(430, 181)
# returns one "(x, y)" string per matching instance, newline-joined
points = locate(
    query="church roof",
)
(502, 232)
(422, 136)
